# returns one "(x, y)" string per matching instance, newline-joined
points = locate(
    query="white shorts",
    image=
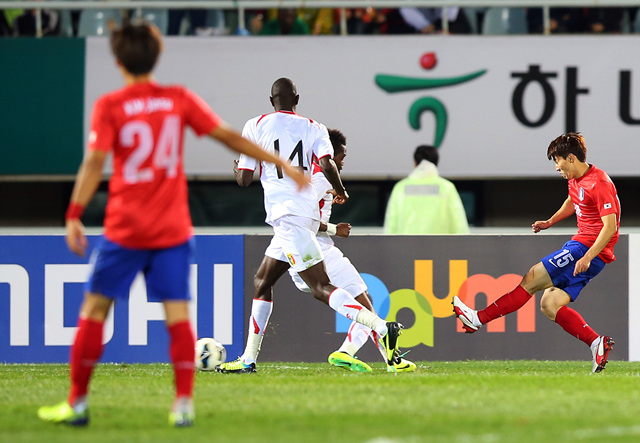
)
(294, 241)
(341, 273)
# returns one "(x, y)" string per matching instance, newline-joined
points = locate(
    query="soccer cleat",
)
(236, 367)
(182, 414)
(63, 413)
(399, 364)
(465, 314)
(390, 340)
(601, 353)
(181, 419)
(344, 360)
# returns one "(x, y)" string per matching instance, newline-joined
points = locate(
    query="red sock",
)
(183, 354)
(508, 303)
(85, 353)
(574, 324)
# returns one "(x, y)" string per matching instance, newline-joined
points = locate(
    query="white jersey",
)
(339, 269)
(322, 185)
(297, 139)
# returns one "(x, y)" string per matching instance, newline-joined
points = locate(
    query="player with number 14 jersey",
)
(298, 139)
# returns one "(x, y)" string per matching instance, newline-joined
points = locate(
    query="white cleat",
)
(601, 353)
(465, 314)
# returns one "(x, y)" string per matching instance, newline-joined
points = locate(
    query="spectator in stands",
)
(197, 20)
(604, 20)
(5, 29)
(287, 23)
(424, 202)
(319, 20)
(429, 20)
(365, 20)
(24, 25)
(562, 20)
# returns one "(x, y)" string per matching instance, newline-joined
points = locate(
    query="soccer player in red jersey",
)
(563, 274)
(148, 226)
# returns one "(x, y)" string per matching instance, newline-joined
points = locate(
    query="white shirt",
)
(322, 185)
(300, 141)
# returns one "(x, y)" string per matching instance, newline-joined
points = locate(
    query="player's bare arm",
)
(236, 142)
(330, 171)
(86, 185)
(609, 227)
(244, 177)
(341, 229)
(565, 211)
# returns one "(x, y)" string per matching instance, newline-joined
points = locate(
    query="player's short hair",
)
(137, 46)
(569, 143)
(426, 152)
(338, 140)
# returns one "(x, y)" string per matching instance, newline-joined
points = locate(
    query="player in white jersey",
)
(295, 218)
(342, 273)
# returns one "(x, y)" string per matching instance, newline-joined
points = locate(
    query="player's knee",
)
(548, 308)
(261, 286)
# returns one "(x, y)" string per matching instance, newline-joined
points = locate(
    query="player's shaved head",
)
(284, 95)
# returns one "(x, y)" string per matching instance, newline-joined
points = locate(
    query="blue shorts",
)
(166, 271)
(561, 264)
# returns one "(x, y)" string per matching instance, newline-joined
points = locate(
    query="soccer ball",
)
(209, 354)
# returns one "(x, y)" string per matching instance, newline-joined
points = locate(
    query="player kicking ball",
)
(343, 274)
(563, 273)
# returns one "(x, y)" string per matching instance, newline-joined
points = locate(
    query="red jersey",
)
(143, 125)
(594, 195)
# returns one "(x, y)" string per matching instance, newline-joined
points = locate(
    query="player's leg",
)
(182, 354)
(114, 269)
(167, 280)
(555, 305)
(343, 303)
(85, 353)
(269, 271)
(535, 280)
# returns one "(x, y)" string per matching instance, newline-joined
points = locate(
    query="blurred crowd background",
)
(324, 21)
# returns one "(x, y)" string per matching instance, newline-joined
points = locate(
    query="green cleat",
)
(236, 367)
(63, 413)
(181, 419)
(182, 413)
(399, 364)
(344, 360)
(390, 340)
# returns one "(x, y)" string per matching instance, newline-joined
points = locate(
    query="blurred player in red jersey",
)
(147, 224)
(563, 274)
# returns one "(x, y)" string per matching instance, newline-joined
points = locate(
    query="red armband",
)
(74, 211)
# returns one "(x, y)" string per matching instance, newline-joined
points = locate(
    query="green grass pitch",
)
(470, 401)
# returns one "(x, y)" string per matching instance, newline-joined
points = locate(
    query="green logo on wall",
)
(396, 83)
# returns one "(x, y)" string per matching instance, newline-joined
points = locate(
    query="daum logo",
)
(396, 83)
(426, 306)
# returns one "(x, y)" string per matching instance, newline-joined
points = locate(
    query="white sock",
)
(80, 405)
(356, 337)
(344, 304)
(260, 313)
(374, 337)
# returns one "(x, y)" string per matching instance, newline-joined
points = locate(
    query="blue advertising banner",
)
(41, 288)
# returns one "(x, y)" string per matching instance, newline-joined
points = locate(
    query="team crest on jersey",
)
(292, 261)
(581, 194)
